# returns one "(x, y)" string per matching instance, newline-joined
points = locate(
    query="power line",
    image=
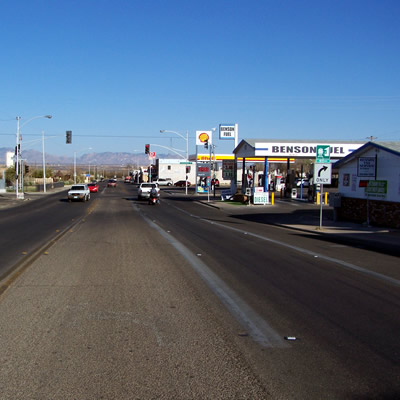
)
(99, 136)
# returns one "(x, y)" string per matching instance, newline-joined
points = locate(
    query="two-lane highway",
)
(184, 301)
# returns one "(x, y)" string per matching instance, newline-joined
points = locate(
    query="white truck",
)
(79, 192)
(145, 189)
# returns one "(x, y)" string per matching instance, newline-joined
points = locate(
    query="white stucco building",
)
(369, 184)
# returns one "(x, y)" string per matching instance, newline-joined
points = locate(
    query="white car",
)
(145, 189)
(79, 192)
(305, 182)
(164, 182)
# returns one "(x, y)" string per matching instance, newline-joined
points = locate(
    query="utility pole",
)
(17, 163)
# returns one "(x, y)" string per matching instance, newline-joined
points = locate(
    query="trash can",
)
(335, 201)
(294, 193)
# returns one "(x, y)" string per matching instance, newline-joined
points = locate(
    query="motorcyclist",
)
(154, 194)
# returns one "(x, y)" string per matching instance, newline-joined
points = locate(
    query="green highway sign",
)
(323, 153)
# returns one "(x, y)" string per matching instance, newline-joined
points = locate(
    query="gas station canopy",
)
(250, 148)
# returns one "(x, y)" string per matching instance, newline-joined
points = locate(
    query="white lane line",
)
(377, 275)
(258, 329)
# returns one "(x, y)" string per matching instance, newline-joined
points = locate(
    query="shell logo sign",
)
(202, 137)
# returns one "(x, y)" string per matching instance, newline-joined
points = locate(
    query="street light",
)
(18, 150)
(187, 150)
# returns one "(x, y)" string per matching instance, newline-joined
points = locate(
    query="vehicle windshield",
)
(78, 188)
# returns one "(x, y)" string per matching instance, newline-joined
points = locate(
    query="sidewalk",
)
(307, 219)
(9, 199)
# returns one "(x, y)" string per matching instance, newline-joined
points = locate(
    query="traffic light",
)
(206, 144)
(147, 149)
(26, 169)
(187, 169)
(68, 137)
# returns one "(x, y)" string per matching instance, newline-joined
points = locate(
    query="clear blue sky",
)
(312, 69)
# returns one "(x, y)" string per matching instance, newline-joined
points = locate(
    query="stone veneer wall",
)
(381, 213)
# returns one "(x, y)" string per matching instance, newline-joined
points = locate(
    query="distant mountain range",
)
(108, 158)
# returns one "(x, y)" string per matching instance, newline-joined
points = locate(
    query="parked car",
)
(145, 189)
(79, 192)
(182, 183)
(305, 182)
(164, 182)
(112, 183)
(93, 187)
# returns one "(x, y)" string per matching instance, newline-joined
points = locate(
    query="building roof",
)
(391, 147)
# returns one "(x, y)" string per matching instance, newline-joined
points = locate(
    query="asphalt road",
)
(182, 301)
(26, 228)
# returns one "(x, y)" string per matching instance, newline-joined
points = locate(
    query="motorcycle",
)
(154, 200)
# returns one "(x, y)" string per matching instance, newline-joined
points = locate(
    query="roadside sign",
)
(203, 169)
(260, 197)
(323, 153)
(376, 189)
(227, 131)
(202, 137)
(228, 169)
(366, 167)
(323, 173)
(152, 155)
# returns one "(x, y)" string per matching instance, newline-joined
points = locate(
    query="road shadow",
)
(296, 217)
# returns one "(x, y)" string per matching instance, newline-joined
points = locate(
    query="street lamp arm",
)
(168, 148)
(31, 119)
(177, 133)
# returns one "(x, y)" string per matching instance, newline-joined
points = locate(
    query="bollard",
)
(326, 198)
(318, 195)
(272, 198)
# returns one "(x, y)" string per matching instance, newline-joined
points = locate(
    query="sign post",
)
(322, 172)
